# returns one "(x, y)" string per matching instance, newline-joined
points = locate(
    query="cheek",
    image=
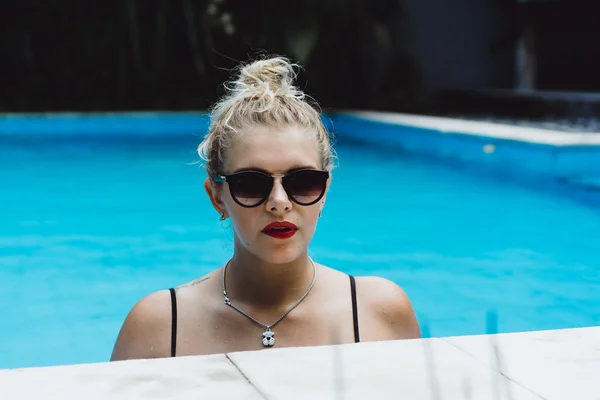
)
(244, 222)
(311, 218)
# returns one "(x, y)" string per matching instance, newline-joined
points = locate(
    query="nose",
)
(278, 200)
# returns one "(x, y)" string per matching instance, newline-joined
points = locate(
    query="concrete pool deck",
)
(553, 365)
(484, 129)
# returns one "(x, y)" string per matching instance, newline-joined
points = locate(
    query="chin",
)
(282, 254)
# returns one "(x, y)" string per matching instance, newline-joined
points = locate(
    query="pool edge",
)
(530, 365)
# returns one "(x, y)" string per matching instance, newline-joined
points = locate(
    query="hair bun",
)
(272, 77)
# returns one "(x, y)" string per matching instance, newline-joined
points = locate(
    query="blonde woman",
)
(269, 160)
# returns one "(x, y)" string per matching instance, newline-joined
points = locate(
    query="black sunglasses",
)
(252, 188)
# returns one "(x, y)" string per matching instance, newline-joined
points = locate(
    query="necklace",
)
(268, 335)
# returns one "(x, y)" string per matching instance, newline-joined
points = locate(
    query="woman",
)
(268, 160)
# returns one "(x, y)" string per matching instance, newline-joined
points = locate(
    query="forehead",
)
(275, 150)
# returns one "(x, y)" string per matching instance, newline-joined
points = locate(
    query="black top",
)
(174, 316)
(173, 322)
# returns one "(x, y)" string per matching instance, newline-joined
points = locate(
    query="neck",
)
(254, 281)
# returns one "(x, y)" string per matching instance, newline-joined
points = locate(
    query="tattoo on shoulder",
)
(194, 283)
(199, 280)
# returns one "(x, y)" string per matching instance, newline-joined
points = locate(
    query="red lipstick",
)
(280, 230)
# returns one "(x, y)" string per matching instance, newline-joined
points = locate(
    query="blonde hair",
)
(263, 93)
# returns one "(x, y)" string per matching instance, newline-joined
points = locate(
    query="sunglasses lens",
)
(306, 187)
(250, 188)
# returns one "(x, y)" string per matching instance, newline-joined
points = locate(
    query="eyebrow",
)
(270, 173)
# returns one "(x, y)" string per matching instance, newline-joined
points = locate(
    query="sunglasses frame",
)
(229, 178)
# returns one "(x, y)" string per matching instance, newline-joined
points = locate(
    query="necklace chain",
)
(268, 334)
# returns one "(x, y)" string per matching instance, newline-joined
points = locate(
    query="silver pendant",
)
(268, 339)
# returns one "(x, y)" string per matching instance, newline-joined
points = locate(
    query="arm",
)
(146, 332)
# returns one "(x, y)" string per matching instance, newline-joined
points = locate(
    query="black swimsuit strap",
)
(173, 322)
(354, 309)
(174, 316)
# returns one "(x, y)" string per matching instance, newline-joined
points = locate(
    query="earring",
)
(222, 218)
(320, 213)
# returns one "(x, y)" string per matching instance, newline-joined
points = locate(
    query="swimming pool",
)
(88, 226)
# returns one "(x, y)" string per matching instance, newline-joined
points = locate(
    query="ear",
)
(215, 196)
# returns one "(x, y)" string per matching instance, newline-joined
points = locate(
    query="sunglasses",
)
(252, 188)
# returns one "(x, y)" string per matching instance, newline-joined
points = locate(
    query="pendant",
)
(268, 339)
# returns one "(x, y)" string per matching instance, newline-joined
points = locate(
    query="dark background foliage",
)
(175, 54)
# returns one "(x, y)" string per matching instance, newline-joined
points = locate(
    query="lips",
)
(280, 229)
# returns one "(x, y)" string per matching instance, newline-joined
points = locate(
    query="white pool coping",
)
(482, 129)
(553, 365)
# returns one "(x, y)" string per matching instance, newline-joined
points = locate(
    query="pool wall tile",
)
(498, 154)
(577, 161)
(98, 124)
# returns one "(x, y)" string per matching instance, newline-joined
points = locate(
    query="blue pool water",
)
(88, 227)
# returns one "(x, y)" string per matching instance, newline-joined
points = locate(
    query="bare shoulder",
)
(390, 305)
(146, 330)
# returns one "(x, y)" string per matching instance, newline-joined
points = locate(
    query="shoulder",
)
(146, 331)
(390, 305)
